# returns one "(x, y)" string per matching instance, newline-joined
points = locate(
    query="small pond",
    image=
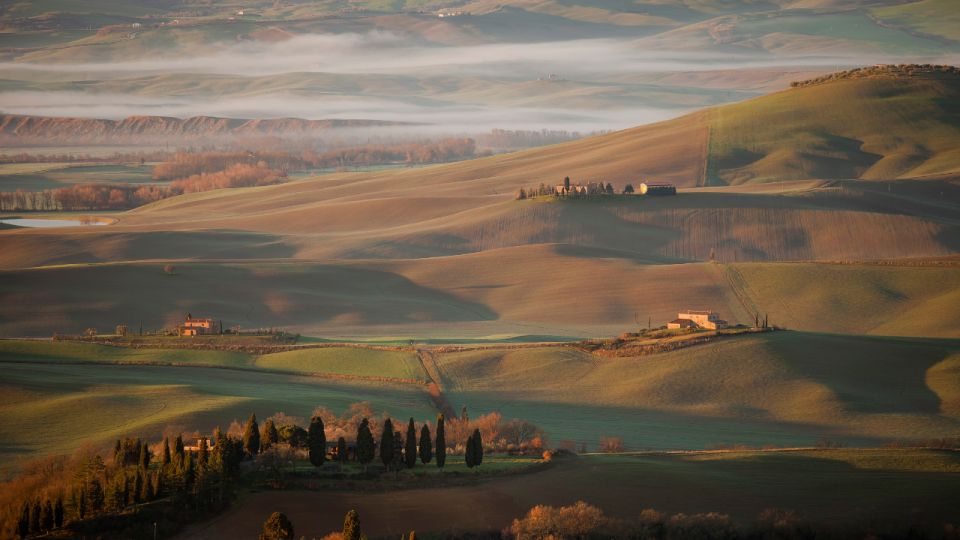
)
(31, 222)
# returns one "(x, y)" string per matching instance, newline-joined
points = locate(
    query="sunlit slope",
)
(853, 299)
(783, 388)
(870, 128)
(557, 290)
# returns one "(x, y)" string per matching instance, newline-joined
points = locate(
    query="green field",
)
(782, 389)
(346, 361)
(41, 176)
(833, 486)
(98, 403)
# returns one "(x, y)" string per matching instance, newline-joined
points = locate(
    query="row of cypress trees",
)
(396, 451)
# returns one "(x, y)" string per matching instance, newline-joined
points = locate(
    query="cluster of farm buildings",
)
(598, 188)
(707, 320)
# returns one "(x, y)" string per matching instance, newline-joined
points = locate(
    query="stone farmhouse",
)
(708, 320)
(195, 327)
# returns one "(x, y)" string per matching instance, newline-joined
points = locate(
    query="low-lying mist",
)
(572, 85)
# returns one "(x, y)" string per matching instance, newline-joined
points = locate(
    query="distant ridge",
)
(19, 130)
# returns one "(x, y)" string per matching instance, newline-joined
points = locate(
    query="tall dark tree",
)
(178, 451)
(566, 184)
(82, 504)
(386, 443)
(399, 461)
(351, 526)
(251, 436)
(426, 445)
(478, 447)
(95, 496)
(410, 453)
(468, 452)
(165, 458)
(23, 522)
(342, 451)
(58, 511)
(35, 520)
(46, 516)
(627, 189)
(365, 444)
(144, 460)
(441, 443)
(317, 441)
(277, 527)
(609, 189)
(203, 453)
(269, 437)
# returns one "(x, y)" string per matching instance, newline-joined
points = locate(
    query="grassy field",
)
(67, 402)
(533, 291)
(784, 389)
(832, 485)
(347, 361)
(41, 176)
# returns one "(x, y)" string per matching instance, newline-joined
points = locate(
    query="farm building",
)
(658, 189)
(592, 188)
(195, 327)
(697, 319)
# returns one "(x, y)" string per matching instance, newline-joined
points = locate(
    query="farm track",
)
(435, 382)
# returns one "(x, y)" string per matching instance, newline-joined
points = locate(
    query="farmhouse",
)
(658, 189)
(592, 188)
(195, 327)
(697, 319)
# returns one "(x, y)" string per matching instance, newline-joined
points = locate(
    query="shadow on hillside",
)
(867, 374)
(251, 295)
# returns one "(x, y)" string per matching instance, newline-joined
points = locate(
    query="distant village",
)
(569, 189)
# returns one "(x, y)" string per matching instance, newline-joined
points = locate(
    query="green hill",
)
(867, 124)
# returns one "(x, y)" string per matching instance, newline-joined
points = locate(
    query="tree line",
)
(178, 480)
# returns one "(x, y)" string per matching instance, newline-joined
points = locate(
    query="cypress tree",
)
(411, 448)
(441, 443)
(469, 452)
(189, 473)
(137, 487)
(144, 460)
(35, 517)
(365, 445)
(23, 523)
(426, 445)
(58, 511)
(95, 496)
(82, 504)
(386, 443)
(165, 459)
(351, 526)
(317, 441)
(342, 451)
(477, 448)
(251, 436)
(269, 437)
(203, 453)
(398, 460)
(178, 451)
(46, 516)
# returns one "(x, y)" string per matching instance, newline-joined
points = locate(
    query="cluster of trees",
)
(505, 138)
(881, 70)
(582, 520)
(543, 189)
(88, 197)
(115, 158)
(279, 527)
